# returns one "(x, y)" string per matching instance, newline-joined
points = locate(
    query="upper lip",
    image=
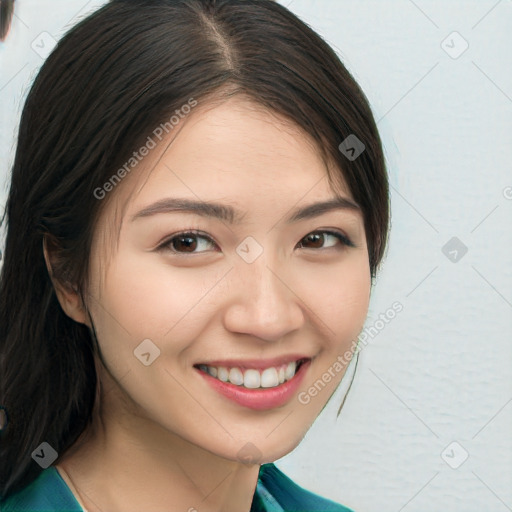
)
(254, 363)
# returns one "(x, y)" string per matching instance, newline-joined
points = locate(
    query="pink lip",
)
(258, 399)
(259, 364)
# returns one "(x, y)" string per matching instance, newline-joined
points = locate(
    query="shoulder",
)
(47, 493)
(291, 497)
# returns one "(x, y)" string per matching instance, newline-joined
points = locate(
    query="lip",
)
(261, 398)
(257, 364)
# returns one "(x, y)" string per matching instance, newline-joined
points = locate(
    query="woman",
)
(198, 205)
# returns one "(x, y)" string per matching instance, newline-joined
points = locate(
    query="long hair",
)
(6, 14)
(109, 82)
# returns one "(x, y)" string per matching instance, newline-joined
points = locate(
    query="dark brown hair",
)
(6, 14)
(109, 82)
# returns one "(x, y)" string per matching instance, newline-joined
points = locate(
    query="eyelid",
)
(345, 239)
(192, 231)
(341, 236)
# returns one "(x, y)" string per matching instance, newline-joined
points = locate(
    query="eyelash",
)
(166, 245)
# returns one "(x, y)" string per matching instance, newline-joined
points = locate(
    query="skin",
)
(161, 436)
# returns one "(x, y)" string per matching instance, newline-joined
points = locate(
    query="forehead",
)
(228, 150)
(233, 151)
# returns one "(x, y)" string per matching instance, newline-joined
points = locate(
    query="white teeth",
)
(290, 370)
(236, 376)
(269, 378)
(252, 378)
(222, 374)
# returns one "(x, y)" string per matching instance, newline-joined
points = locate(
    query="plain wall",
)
(439, 372)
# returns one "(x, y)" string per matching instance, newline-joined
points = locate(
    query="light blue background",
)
(440, 372)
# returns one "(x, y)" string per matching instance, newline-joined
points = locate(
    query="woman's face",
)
(245, 298)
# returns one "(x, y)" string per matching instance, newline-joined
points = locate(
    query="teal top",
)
(275, 492)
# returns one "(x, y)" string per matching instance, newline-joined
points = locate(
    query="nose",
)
(262, 301)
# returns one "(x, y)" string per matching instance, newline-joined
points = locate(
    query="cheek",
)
(145, 298)
(340, 299)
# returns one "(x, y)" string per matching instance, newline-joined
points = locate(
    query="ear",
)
(67, 295)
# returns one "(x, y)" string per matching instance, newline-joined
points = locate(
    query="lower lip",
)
(261, 398)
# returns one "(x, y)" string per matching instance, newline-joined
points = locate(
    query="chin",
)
(262, 450)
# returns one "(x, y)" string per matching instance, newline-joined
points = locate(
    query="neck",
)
(125, 462)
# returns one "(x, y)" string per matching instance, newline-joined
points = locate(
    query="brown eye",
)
(318, 238)
(186, 243)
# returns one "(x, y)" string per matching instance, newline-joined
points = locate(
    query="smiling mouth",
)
(253, 378)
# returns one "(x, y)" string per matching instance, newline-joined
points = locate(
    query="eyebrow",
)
(231, 215)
